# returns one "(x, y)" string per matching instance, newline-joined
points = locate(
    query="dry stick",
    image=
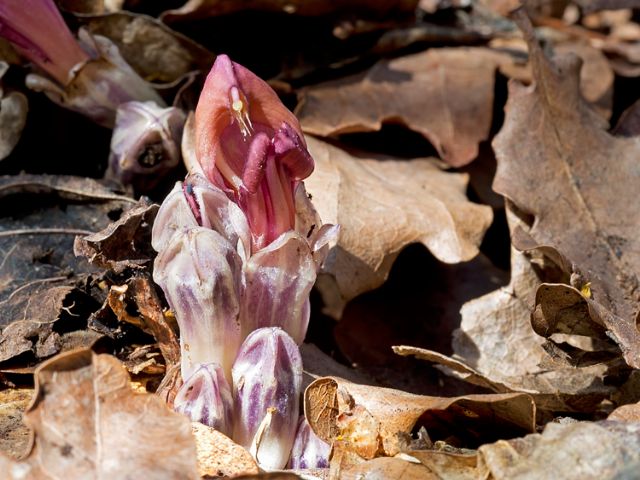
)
(45, 231)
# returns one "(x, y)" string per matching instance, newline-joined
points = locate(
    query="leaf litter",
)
(535, 377)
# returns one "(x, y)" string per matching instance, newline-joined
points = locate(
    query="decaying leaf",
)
(382, 205)
(208, 8)
(496, 347)
(385, 467)
(574, 451)
(88, 423)
(552, 140)
(13, 116)
(125, 243)
(596, 75)
(14, 434)
(91, 7)
(40, 279)
(219, 456)
(444, 94)
(626, 413)
(155, 51)
(372, 421)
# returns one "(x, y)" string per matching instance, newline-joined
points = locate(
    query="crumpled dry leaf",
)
(15, 437)
(13, 116)
(629, 123)
(88, 423)
(219, 456)
(91, 7)
(137, 303)
(577, 450)
(444, 94)
(125, 243)
(589, 6)
(193, 9)
(412, 308)
(626, 413)
(371, 421)
(155, 51)
(596, 74)
(382, 206)
(435, 464)
(496, 347)
(387, 468)
(569, 159)
(40, 279)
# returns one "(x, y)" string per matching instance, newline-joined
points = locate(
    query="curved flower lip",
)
(251, 146)
(37, 30)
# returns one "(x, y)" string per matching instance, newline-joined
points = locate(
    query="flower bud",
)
(205, 397)
(251, 146)
(267, 383)
(200, 274)
(145, 143)
(309, 450)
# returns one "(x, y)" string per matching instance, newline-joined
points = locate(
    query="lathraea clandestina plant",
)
(239, 247)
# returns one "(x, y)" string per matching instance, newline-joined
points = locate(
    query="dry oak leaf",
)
(496, 347)
(605, 450)
(558, 163)
(370, 421)
(445, 94)
(382, 205)
(219, 456)
(88, 423)
(155, 51)
(209, 8)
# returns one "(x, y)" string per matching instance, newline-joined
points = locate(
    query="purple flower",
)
(249, 145)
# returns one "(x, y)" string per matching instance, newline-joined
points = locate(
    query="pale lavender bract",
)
(205, 397)
(267, 383)
(309, 450)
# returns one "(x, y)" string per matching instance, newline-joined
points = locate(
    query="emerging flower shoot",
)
(267, 383)
(89, 77)
(251, 146)
(239, 247)
(205, 397)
